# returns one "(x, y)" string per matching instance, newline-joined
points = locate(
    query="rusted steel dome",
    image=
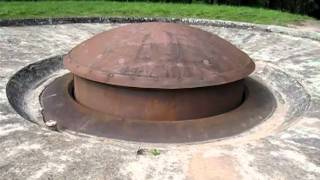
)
(158, 55)
(158, 72)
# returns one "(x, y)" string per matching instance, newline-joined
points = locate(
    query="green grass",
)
(18, 10)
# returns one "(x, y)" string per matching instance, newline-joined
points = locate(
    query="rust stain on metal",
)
(159, 55)
(158, 72)
(158, 104)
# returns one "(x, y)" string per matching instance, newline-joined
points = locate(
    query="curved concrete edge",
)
(194, 21)
(292, 99)
(23, 81)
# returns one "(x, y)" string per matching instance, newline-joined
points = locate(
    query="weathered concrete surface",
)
(291, 151)
(309, 25)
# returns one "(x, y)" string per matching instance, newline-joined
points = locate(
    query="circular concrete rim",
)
(18, 86)
(258, 106)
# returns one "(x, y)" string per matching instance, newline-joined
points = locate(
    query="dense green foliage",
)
(309, 7)
(140, 9)
(294, 6)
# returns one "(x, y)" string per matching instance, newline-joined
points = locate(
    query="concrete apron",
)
(286, 146)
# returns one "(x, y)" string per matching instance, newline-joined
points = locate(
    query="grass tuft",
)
(155, 152)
